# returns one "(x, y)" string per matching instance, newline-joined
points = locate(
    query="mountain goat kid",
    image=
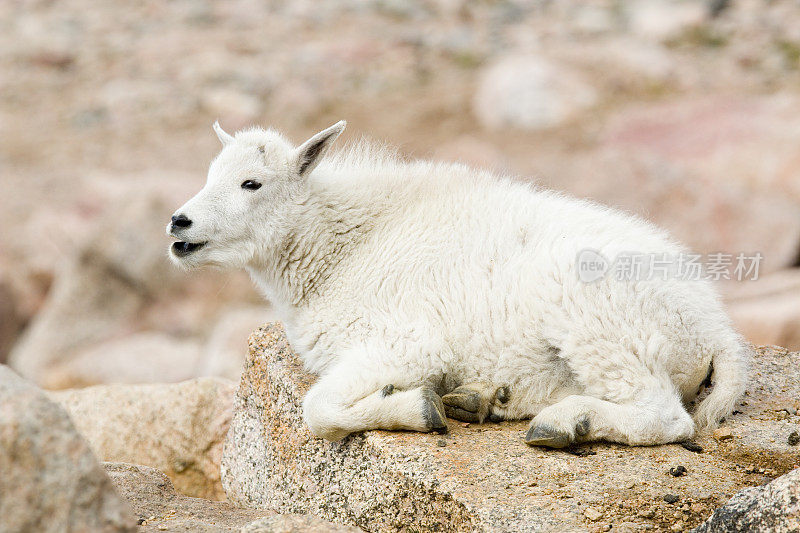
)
(419, 290)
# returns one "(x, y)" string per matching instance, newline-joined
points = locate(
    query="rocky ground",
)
(683, 111)
(183, 447)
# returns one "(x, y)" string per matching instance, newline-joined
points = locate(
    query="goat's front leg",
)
(348, 399)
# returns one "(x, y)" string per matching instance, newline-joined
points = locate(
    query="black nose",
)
(181, 221)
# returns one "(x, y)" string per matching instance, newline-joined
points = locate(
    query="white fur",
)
(418, 273)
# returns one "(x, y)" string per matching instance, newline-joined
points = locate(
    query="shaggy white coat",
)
(421, 274)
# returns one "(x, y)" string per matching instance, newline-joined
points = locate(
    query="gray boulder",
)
(50, 479)
(770, 508)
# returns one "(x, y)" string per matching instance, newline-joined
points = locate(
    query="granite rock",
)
(486, 478)
(49, 478)
(178, 428)
(773, 508)
(295, 523)
(160, 508)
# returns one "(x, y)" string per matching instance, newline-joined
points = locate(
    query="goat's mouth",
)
(182, 249)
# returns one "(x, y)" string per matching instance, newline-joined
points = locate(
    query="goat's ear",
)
(224, 137)
(310, 153)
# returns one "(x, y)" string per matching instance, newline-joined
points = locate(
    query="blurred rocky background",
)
(685, 112)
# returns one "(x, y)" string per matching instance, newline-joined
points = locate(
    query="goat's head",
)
(246, 205)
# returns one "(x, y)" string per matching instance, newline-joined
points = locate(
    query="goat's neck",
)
(325, 230)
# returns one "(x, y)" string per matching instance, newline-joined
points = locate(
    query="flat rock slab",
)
(160, 508)
(484, 477)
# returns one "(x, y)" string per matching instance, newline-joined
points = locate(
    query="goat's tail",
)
(730, 380)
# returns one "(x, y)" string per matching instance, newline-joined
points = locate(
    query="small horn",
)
(224, 137)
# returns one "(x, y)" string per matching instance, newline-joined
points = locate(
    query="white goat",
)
(400, 282)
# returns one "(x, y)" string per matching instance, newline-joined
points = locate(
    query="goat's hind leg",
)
(655, 418)
(621, 399)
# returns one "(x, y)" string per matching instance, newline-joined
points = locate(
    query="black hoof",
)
(543, 435)
(495, 418)
(582, 427)
(461, 415)
(464, 399)
(503, 394)
(433, 412)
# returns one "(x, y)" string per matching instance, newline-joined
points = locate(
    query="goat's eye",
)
(251, 185)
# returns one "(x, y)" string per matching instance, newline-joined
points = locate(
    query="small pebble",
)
(721, 434)
(677, 471)
(671, 498)
(627, 527)
(794, 438)
(647, 513)
(692, 446)
(698, 508)
(592, 514)
(677, 526)
(580, 452)
(141, 522)
(465, 425)
(441, 443)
